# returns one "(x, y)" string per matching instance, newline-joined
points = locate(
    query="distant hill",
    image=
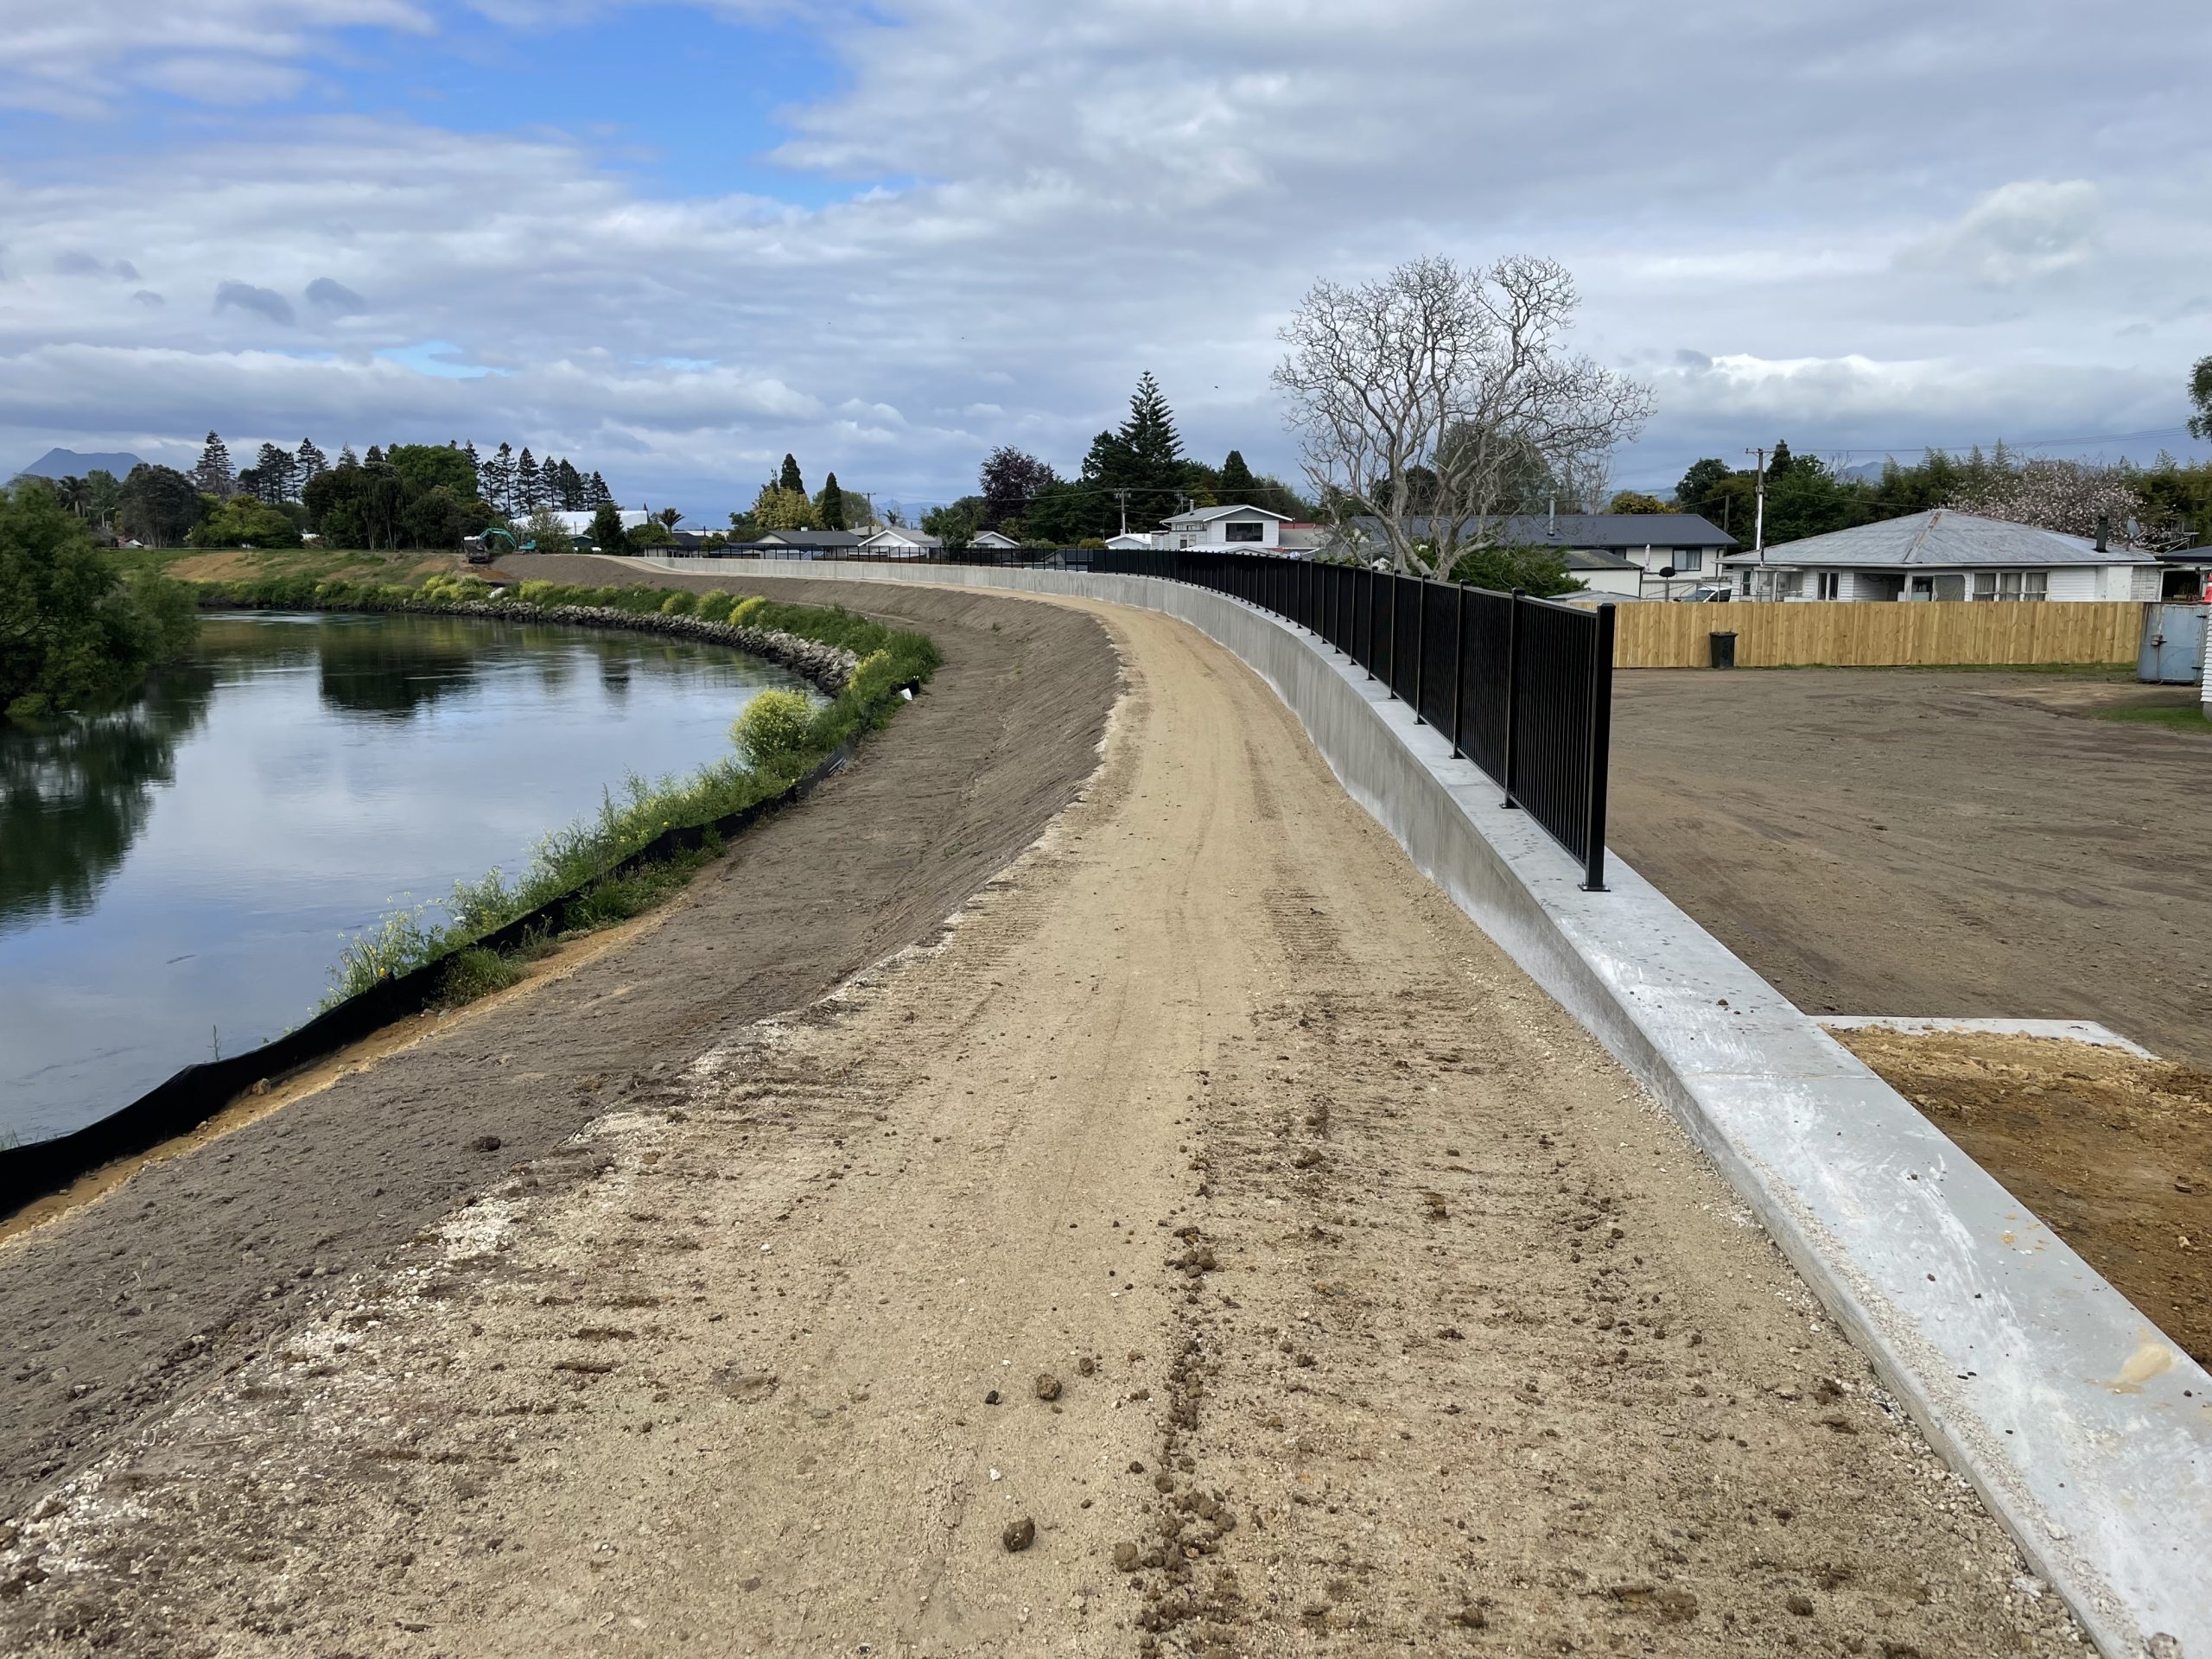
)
(67, 463)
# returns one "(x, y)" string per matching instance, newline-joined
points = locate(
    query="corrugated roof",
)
(1606, 530)
(1941, 539)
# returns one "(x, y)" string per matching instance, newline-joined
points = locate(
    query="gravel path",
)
(1214, 1245)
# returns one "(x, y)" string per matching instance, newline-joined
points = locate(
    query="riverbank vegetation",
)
(76, 630)
(586, 874)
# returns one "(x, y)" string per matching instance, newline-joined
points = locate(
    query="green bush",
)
(773, 729)
(474, 972)
(679, 604)
(715, 607)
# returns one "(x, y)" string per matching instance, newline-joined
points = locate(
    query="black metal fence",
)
(1521, 686)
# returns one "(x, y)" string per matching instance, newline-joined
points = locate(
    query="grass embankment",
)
(778, 739)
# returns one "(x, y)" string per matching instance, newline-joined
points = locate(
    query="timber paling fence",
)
(197, 1093)
(1521, 686)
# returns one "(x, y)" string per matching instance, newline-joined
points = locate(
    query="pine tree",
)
(273, 474)
(213, 476)
(597, 494)
(831, 508)
(375, 457)
(529, 488)
(498, 478)
(573, 491)
(790, 480)
(475, 466)
(308, 463)
(1140, 465)
(346, 457)
(1237, 488)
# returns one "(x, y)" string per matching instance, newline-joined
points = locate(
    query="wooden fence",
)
(1905, 633)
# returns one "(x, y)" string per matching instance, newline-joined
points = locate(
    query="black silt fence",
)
(199, 1092)
(1522, 687)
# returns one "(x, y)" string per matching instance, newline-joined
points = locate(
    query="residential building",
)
(579, 524)
(896, 541)
(993, 541)
(1674, 551)
(1946, 555)
(1236, 529)
(807, 543)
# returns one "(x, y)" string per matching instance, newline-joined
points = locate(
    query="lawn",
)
(2178, 717)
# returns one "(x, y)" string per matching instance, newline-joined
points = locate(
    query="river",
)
(177, 877)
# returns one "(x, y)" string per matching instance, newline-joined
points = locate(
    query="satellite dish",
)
(1666, 571)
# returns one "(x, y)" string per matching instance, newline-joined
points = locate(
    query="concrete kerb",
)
(2083, 1427)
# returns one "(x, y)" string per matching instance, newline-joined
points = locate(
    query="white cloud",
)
(1931, 230)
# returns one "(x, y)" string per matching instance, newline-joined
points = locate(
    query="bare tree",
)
(1422, 397)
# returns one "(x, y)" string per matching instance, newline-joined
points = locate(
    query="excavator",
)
(484, 548)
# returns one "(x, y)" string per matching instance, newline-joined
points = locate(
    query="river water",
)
(177, 877)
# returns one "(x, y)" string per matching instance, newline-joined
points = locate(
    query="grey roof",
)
(1597, 558)
(2188, 555)
(1207, 515)
(1600, 529)
(1942, 538)
(811, 537)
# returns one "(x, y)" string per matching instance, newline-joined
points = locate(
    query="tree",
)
(374, 458)
(669, 518)
(956, 523)
(475, 465)
(72, 631)
(346, 457)
(272, 469)
(530, 487)
(213, 476)
(157, 504)
(243, 521)
(103, 491)
(1462, 370)
(1235, 486)
(569, 484)
(606, 528)
(1062, 515)
(308, 461)
(596, 494)
(1635, 501)
(1009, 481)
(777, 508)
(789, 478)
(498, 478)
(72, 493)
(830, 506)
(2200, 394)
(1701, 484)
(426, 466)
(1139, 467)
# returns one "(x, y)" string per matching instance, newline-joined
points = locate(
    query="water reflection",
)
(75, 795)
(182, 872)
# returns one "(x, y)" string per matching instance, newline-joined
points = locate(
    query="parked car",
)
(1709, 593)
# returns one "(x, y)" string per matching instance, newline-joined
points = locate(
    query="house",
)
(2186, 576)
(1947, 554)
(1241, 529)
(996, 540)
(807, 543)
(579, 524)
(1130, 541)
(896, 541)
(1685, 544)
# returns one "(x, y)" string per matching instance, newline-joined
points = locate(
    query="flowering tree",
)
(2069, 497)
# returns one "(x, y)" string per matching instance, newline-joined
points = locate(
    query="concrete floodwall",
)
(2086, 1431)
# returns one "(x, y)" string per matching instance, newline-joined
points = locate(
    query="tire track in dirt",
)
(1308, 1281)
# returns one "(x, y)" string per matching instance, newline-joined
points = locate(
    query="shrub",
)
(773, 729)
(475, 972)
(715, 607)
(744, 611)
(679, 604)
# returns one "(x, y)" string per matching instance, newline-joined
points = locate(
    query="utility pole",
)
(1123, 496)
(1759, 532)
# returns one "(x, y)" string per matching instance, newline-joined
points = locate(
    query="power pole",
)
(1759, 532)
(1122, 497)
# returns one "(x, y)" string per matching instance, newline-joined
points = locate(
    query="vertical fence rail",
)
(1522, 687)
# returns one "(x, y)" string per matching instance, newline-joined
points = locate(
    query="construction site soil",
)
(1211, 1244)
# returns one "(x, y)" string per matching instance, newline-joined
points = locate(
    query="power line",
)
(2009, 444)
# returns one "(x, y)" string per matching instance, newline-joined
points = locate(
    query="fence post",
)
(1512, 692)
(1373, 582)
(1599, 747)
(1459, 660)
(1420, 647)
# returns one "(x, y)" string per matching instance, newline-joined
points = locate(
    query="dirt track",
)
(169, 1284)
(1377, 1310)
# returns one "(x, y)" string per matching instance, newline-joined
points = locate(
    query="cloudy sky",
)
(674, 240)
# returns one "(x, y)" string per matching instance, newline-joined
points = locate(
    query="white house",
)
(1238, 529)
(579, 524)
(896, 541)
(996, 540)
(1943, 554)
(1132, 541)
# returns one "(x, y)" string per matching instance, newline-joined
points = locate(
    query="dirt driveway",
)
(1215, 1246)
(1894, 841)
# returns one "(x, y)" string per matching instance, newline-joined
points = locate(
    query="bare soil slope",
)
(199, 1262)
(1215, 1246)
